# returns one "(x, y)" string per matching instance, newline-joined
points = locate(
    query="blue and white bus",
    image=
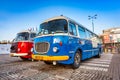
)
(62, 40)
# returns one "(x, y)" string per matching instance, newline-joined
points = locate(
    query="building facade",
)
(111, 40)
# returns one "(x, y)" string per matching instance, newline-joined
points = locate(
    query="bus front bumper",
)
(49, 58)
(18, 54)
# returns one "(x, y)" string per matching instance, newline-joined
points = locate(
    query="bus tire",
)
(47, 62)
(99, 55)
(24, 59)
(77, 60)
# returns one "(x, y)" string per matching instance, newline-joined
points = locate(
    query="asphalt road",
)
(13, 68)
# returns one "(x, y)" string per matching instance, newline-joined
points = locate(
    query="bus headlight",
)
(31, 49)
(55, 49)
(18, 49)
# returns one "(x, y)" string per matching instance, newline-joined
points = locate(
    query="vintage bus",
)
(23, 44)
(62, 40)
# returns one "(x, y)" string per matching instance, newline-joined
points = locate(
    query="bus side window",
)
(32, 36)
(87, 34)
(81, 32)
(91, 35)
(72, 29)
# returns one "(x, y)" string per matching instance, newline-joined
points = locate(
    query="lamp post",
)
(92, 18)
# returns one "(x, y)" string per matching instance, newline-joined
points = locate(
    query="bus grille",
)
(42, 47)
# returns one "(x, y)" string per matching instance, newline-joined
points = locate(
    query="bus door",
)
(73, 39)
(84, 43)
(89, 43)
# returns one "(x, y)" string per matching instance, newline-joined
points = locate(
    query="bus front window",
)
(54, 26)
(22, 36)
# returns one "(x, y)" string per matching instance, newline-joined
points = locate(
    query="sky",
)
(18, 15)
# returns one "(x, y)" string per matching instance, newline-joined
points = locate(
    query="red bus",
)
(22, 45)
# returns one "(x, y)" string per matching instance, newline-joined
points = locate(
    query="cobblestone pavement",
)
(114, 69)
(91, 69)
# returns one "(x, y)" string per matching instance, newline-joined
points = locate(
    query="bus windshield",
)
(22, 36)
(54, 26)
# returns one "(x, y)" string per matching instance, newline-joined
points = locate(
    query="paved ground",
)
(91, 69)
(114, 69)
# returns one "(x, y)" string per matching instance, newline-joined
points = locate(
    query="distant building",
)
(5, 42)
(111, 40)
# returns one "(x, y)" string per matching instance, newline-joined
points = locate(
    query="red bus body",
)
(23, 48)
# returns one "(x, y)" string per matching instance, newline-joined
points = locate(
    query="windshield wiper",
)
(59, 31)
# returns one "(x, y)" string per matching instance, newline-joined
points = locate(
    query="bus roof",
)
(69, 19)
(27, 31)
(57, 17)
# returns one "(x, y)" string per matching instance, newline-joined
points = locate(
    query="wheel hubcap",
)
(77, 58)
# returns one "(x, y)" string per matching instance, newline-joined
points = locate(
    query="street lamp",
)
(92, 18)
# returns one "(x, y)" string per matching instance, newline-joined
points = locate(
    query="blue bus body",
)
(67, 45)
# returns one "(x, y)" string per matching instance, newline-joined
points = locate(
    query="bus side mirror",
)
(13, 40)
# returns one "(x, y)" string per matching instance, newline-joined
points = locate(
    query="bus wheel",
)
(98, 56)
(24, 59)
(48, 62)
(77, 60)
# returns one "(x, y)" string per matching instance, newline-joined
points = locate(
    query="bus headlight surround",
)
(55, 49)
